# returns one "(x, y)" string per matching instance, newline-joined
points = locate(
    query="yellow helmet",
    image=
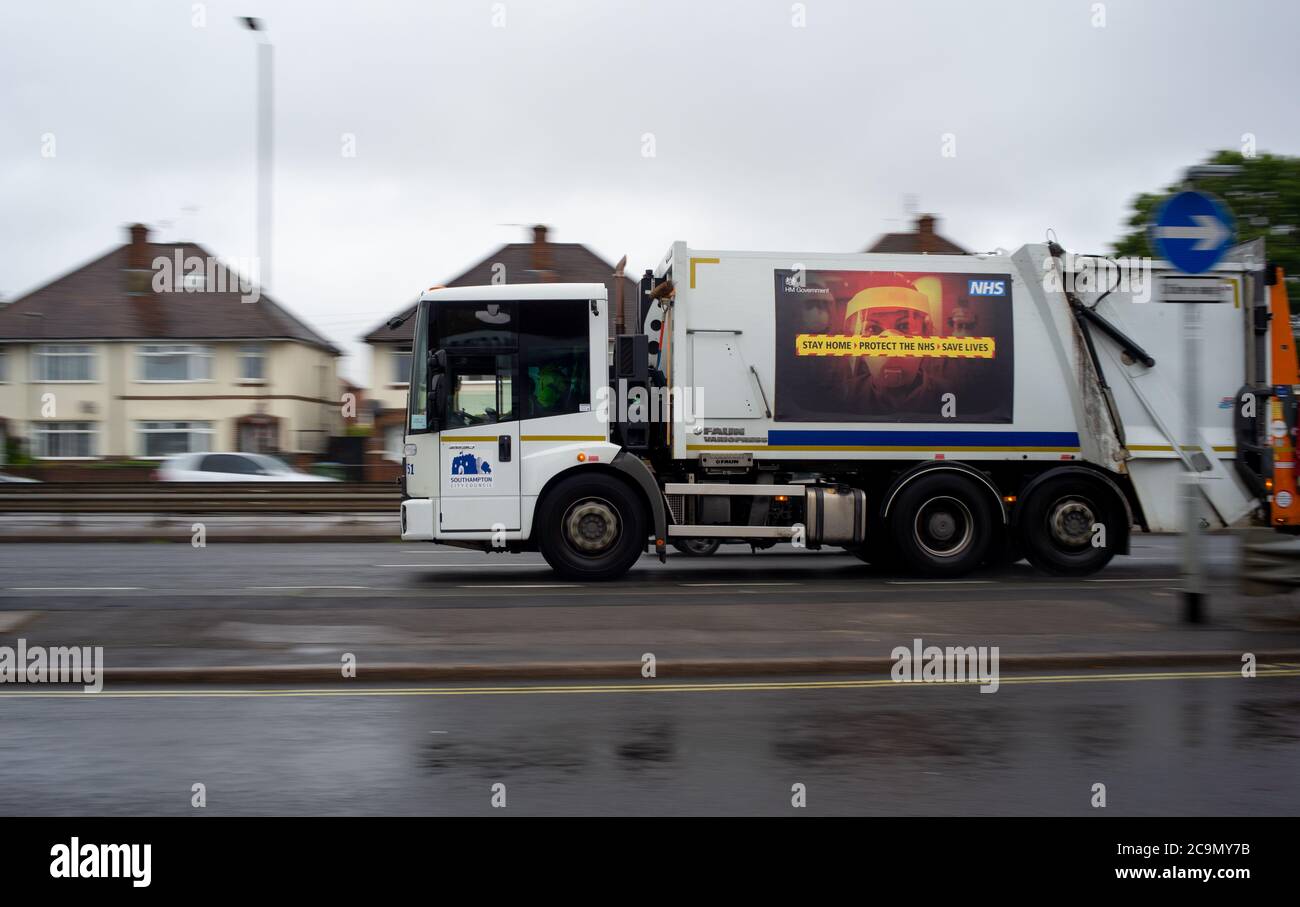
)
(896, 297)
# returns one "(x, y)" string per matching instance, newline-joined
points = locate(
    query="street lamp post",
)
(264, 88)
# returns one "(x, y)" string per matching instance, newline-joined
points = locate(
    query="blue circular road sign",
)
(1192, 231)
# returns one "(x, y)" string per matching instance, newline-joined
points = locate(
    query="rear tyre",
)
(865, 554)
(1059, 523)
(942, 524)
(697, 547)
(591, 527)
(1004, 550)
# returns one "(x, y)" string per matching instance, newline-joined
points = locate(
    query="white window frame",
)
(43, 352)
(192, 351)
(155, 427)
(41, 430)
(394, 455)
(248, 351)
(398, 352)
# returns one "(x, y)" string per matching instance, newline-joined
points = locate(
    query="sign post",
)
(1192, 231)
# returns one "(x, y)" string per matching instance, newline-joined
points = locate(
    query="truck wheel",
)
(1004, 550)
(864, 553)
(591, 527)
(1057, 523)
(697, 547)
(942, 524)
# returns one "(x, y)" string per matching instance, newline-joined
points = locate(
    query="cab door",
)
(479, 451)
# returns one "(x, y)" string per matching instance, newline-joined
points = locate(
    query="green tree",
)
(1264, 197)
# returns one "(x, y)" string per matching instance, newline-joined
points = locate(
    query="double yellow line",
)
(647, 686)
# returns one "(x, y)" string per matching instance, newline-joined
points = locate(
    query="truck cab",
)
(504, 405)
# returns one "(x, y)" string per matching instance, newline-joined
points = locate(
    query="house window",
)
(252, 362)
(64, 362)
(166, 439)
(394, 439)
(4, 365)
(58, 440)
(401, 364)
(174, 362)
(257, 435)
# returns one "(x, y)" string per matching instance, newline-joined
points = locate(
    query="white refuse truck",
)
(928, 413)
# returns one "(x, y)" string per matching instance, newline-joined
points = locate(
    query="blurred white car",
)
(231, 467)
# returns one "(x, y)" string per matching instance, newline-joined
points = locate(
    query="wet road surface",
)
(255, 576)
(1167, 745)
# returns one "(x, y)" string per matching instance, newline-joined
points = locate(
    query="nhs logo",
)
(986, 287)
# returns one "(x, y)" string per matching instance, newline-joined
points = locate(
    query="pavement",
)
(1187, 743)
(310, 528)
(256, 612)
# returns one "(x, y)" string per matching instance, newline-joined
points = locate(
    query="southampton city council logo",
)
(468, 469)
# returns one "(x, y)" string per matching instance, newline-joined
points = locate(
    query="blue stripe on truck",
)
(936, 440)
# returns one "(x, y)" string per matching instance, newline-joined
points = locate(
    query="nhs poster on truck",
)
(892, 346)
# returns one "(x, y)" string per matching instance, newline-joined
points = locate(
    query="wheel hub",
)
(944, 527)
(1071, 521)
(591, 526)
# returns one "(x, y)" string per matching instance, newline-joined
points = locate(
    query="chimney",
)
(137, 254)
(925, 232)
(541, 251)
(138, 273)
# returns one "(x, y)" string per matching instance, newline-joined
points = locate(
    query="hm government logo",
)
(469, 469)
(797, 283)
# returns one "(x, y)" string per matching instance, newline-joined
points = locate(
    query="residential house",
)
(124, 357)
(924, 240)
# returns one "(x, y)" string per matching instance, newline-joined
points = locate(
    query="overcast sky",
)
(473, 116)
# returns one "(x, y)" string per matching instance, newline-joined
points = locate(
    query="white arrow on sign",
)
(1209, 232)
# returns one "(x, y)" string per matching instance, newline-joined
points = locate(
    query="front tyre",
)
(942, 524)
(591, 527)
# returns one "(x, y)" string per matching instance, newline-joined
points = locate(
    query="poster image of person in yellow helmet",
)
(896, 347)
(891, 384)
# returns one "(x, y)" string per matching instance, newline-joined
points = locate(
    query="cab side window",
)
(555, 358)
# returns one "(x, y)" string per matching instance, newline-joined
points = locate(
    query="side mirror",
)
(437, 362)
(437, 398)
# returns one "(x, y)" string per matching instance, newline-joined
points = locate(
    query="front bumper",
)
(417, 519)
